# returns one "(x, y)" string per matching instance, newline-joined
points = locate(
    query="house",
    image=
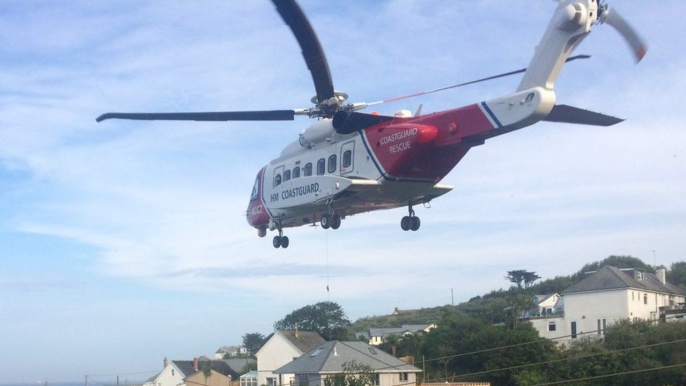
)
(230, 351)
(607, 296)
(547, 304)
(376, 336)
(190, 372)
(329, 359)
(282, 348)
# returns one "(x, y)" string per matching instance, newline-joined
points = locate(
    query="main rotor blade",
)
(467, 83)
(269, 115)
(614, 19)
(309, 44)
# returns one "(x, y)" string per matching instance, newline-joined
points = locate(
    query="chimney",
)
(166, 362)
(195, 364)
(661, 275)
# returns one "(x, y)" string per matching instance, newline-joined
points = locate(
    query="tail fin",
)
(571, 23)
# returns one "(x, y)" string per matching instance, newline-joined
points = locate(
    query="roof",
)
(329, 357)
(218, 365)
(413, 328)
(609, 278)
(302, 340)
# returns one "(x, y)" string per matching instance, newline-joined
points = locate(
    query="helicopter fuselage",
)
(396, 163)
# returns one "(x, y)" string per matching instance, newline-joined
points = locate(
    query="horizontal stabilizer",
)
(569, 114)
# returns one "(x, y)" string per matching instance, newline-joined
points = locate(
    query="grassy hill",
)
(490, 306)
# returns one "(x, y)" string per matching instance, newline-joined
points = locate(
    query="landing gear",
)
(410, 222)
(330, 221)
(280, 241)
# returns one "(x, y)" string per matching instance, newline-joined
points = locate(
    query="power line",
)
(570, 359)
(613, 374)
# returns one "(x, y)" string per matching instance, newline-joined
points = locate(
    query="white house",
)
(328, 360)
(607, 296)
(376, 336)
(177, 372)
(230, 351)
(282, 348)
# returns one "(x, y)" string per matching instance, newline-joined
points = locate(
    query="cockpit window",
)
(255, 189)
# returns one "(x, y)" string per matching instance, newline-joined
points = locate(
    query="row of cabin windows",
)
(323, 166)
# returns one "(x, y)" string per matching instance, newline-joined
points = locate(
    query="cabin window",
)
(308, 169)
(347, 159)
(286, 175)
(332, 164)
(296, 172)
(255, 189)
(277, 179)
(321, 166)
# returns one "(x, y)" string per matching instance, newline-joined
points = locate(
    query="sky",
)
(124, 242)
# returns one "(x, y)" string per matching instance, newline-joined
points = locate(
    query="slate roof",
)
(218, 365)
(609, 278)
(413, 328)
(303, 340)
(330, 356)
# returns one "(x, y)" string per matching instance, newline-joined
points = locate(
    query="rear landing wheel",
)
(336, 221)
(416, 223)
(276, 241)
(406, 223)
(326, 221)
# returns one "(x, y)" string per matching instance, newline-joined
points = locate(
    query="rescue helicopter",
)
(348, 162)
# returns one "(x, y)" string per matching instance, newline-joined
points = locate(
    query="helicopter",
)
(348, 162)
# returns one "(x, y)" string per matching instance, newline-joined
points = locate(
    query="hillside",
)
(490, 306)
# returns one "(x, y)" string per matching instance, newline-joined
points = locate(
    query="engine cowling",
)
(318, 132)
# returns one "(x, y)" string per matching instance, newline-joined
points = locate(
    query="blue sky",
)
(125, 242)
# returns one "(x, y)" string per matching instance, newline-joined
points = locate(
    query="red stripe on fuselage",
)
(428, 147)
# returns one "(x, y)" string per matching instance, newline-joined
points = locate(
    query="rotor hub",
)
(338, 98)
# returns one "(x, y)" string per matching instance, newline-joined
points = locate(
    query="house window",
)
(377, 380)
(332, 163)
(552, 326)
(172, 371)
(308, 169)
(296, 172)
(573, 330)
(303, 379)
(602, 324)
(404, 377)
(645, 298)
(321, 167)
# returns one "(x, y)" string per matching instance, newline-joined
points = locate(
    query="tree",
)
(325, 318)
(522, 277)
(207, 370)
(253, 342)
(354, 374)
(677, 274)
